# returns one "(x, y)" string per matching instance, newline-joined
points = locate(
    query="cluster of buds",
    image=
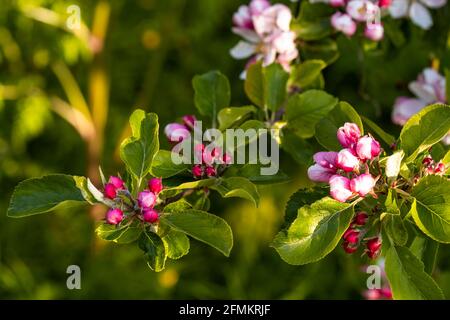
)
(210, 162)
(341, 170)
(177, 132)
(353, 237)
(265, 29)
(430, 167)
(143, 208)
(359, 11)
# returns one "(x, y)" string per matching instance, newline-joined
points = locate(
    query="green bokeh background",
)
(152, 50)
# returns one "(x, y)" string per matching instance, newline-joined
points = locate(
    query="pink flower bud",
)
(114, 216)
(116, 182)
(210, 171)
(155, 185)
(362, 184)
(374, 245)
(150, 215)
(242, 18)
(428, 160)
(351, 236)
(346, 160)
(337, 3)
(146, 199)
(360, 218)
(197, 171)
(348, 248)
(198, 152)
(110, 191)
(384, 3)
(344, 23)
(340, 188)
(367, 148)
(176, 132)
(386, 292)
(439, 168)
(374, 31)
(348, 135)
(189, 120)
(372, 294)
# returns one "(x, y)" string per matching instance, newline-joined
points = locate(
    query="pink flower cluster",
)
(430, 167)
(354, 236)
(209, 161)
(146, 201)
(429, 88)
(359, 11)
(265, 29)
(341, 169)
(177, 132)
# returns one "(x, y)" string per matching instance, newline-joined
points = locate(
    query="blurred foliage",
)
(151, 51)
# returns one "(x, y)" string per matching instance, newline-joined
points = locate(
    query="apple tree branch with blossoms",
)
(374, 194)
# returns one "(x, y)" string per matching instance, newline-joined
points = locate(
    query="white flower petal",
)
(242, 50)
(249, 35)
(399, 8)
(420, 15)
(434, 3)
(423, 91)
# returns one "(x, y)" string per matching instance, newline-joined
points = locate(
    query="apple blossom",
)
(373, 247)
(362, 184)
(176, 132)
(340, 188)
(114, 216)
(348, 135)
(417, 10)
(344, 23)
(210, 171)
(362, 10)
(146, 199)
(324, 168)
(117, 182)
(189, 121)
(197, 171)
(405, 108)
(374, 31)
(110, 191)
(361, 218)
(242, 18)
(367, 148)
(346, 160)
(351, 236)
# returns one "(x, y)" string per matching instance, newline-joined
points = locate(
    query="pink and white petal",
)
(423, 91)
(399, 8)
(243, 50)
(420, 15)
(405, 108)
(269, 56)
(326, 159)
(446, 139)
(318, 173)
(431, 76)
(247, 34)
(434, 3)
(284, 17)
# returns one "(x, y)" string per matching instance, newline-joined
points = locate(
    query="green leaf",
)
(299, 199)
(254, 84)
(424, 129)
(195, 184)
(306, 109)
(237, 187)
(163, 166)
(154, 250)
(325, 49)
(378, 132)
(137, 152)
(109, 232)
(326, 129)
(407, 277)
(395, 228)
(275, 81)
(40, 195)
(130, 234)
(176, 244)
(306, 73)
(230, 117)
(299, 149)
(426, 250)
(212, 93)
(202, 226)
(315, 30)
(315, 232)
(446, 161)
(430, 208)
